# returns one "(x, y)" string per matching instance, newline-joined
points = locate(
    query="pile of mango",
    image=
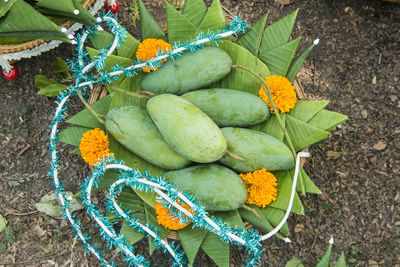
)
(199, 136)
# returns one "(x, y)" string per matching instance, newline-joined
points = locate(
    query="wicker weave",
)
(7, 49)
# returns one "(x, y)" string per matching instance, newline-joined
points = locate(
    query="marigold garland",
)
(167, 220)
(94, 146)
(282, 91)
(148, 49)
(261, 187)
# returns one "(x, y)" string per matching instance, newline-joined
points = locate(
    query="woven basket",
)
(13, 48)
(100, 91)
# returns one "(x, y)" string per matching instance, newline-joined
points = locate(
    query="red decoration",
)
(113, 8)
(12, 74)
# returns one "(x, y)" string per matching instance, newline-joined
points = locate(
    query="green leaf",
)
(42, 81)
(75, 151)
(59, 65)
(327, 120)
(103, 39)
(53, 89)
(72, 135)
(278, 59)
(9, 234)
(132, 236)
(111, 60)
(6, 6)
(238, 78)
(179, 27)
(326, 258)
(191, 240)
(213, 20)
(149, 28)
(284, 190)
(128, 47)
(86, 119)
(3, 223)
(49, 204)
(308, 183)
(305, 110)
(132, 85)
(297, 63)
(217, 250)
(195, 11)
(23, 21)
(272, 127)
(260, 222)
(249, 39)
(303, 134)
(341, 261)
(231, 217)
(130, 201)
(275, 216)
(65, 10)
(109, 177)
(294, 262)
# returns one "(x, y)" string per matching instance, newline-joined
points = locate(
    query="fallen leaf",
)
(333, 154)
(283, 2)
(372, 263)
(49, 205)
(374, 80)
(364, 113)
(3, 223)
(299, 228)
(380, 146)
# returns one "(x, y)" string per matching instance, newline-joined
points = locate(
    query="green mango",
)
(214, 186)
(259, 150)
(187, 129)
(132, 127)
(189, 72)
(228, 107)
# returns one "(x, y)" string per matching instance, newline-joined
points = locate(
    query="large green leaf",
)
(216, 249)
(305, 110)
(195, 10)
(86, 119)
(103, 39)
(272, 126)
(191, 240)
(109, 177)
(309, 185)
(278, 59)
(72, 135)
(294, 262)
(213, 20)
(179, 27)
(6, 6)
(65, 9)
(297, 63)
(149, 28)
(132, 236)
(238, 78)
(284, 191)
(130, 201)
(258, 221)
(303, 134)
(275, 216)
(249, 39)
(23, 21)
(42, 81)
(121, 99)
(327, 120)
(151, 218)
(231, 217)
(111, 60)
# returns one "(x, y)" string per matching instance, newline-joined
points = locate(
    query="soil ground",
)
(356, 67)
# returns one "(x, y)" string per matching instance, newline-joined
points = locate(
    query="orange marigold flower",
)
(261, 187)
(282, 91)
(94, 146)
(148, 49)
(166, 219)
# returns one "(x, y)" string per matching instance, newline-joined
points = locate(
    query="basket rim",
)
(14, 48)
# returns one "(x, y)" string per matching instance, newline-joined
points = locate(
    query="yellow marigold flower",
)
(261, 187)
(167, 220)
(282, 91)
(148, 49)
(94, 146)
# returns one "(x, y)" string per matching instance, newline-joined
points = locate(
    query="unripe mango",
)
(187, 129)
(189, 72)
(214, 186)
(228, 107)
(259, 150)
(132, 127)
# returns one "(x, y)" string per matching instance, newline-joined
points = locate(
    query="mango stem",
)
(230, 154)
(268, 93)
(244, 206)
(90, 108)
